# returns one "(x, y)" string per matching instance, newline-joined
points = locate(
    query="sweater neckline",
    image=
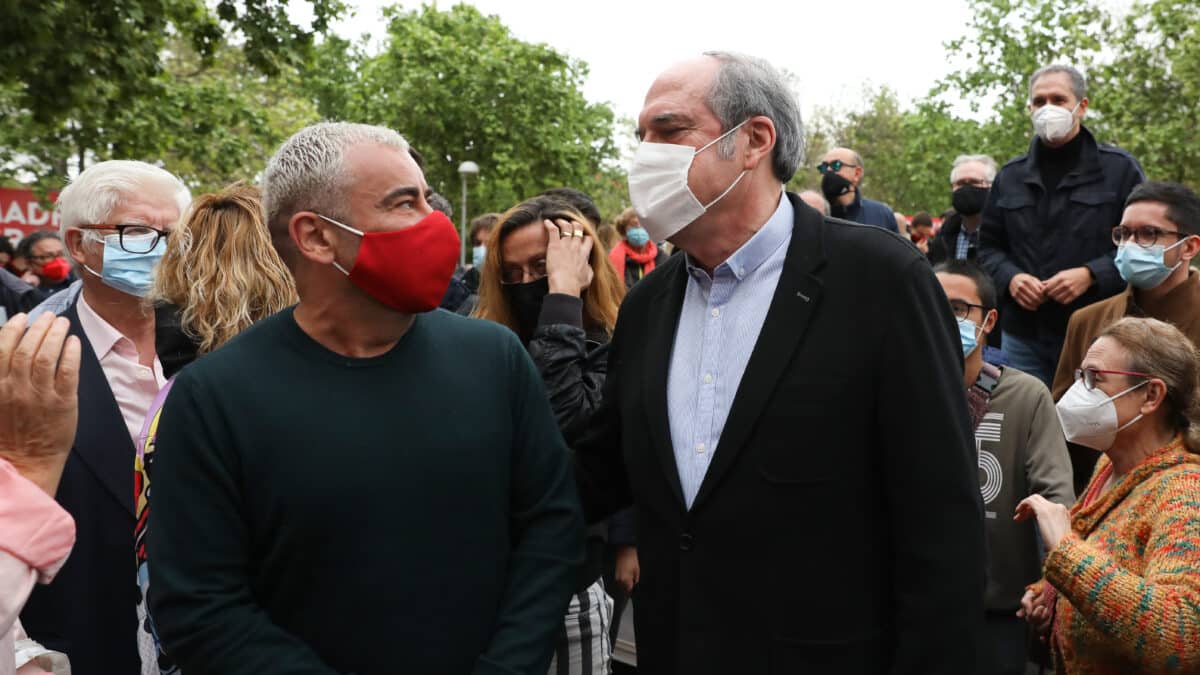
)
(311, 348)
(1089, 511)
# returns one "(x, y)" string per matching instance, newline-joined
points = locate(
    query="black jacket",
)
(834, 531)
(944, 245)
(1076, 230)
(89, 612)
(17, 296)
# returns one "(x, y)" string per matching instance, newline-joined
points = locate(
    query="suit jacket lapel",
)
(101, 440)
(660, 341)
(796, 297)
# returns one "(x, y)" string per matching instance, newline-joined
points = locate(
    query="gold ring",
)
(577, 233)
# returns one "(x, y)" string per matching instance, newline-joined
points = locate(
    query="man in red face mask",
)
(318, 502)
(49, 269)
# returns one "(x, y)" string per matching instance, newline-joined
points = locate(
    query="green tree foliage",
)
(459, 86)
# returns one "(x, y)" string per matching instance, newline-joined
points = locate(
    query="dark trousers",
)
(1005, 644)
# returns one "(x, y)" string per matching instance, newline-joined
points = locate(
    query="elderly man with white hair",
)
(115, 218)
(361, 483)
(971, 178)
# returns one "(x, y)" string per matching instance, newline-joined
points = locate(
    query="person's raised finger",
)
(48, 353)
(10, 336)
(552, 231)
(66, 380)
(23, 355)
(587, 247)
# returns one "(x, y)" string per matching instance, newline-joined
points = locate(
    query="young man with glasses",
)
(1156, 243)
(1021, 451)
(841, 177)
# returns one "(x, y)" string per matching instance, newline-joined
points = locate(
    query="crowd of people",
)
(280, 428)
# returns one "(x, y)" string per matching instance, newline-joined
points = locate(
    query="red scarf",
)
(623, 250)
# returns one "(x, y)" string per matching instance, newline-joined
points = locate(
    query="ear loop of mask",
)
(344, 227)
(89, 236)
(740, 175)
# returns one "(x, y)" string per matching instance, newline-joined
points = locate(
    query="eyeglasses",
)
(1145, 236)
(834, 166)
(516, 274)
(133, 237)
(962, 309)
(43, 259)
(973, 182)
(1088, 375)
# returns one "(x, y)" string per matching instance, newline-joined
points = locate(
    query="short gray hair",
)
(985, 160)
(96, 192)
(1078, 84)
(746, 86)
(309, 170)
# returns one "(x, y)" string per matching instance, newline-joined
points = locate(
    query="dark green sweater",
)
(408, 513)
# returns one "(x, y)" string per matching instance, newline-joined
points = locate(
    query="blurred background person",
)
(921, 231)
(842, 171)
(547, 280)
(7, 251)
(222, 274)
(635, 255)
(49, 270)
(608, 236)
(815, 200)
(1122, 578)
(971, 179)
(463, 292)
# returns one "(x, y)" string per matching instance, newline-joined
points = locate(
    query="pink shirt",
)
(133, 385)
(36, 535)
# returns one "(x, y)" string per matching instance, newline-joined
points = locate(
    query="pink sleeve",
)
(33, 527)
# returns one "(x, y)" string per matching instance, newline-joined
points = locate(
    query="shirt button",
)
(741, 271)
(699, 448)
(716, 312)
(708, 378)
(686, 542)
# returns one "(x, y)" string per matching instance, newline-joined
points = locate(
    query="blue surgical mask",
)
(969, 333)
(1143, 267)
(131, 273)
(637, 236)
(478, 254)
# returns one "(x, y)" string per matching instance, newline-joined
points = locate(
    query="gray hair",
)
(1078, 84)
(309, 170)
(825, 210)
(985, 160)
(746, 86)
(95, 193)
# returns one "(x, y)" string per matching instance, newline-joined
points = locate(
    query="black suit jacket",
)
(835, 531)
(89, 611)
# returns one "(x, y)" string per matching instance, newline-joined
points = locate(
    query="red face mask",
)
(407, 269)
(56, 270)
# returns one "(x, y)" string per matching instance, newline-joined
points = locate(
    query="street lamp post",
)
(465, 169)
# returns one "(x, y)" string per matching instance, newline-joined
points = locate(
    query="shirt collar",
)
(761, 246)
(100, 333)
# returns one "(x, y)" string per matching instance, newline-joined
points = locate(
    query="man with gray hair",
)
(115, 218)
(971, 178)
(319, 505)
(793, 515)
(1044, 235)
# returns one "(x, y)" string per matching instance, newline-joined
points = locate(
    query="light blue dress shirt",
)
(719, 324)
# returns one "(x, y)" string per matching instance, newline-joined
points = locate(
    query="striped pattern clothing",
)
(1128, 577)
(583, 646)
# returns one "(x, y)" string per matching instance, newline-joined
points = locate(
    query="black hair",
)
(6, 246)
(578, 200)
(922, 219)
(440, 203)
(983, 281)
(1183, 206)
(25, 248)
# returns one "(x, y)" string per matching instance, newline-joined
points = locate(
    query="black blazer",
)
(89, 611)
(835, 531)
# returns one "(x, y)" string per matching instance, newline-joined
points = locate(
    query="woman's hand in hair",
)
(568, 269)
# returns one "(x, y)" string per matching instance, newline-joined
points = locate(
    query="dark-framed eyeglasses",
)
(962, 309)
(1145, 235)
(514, 274)
(1088, 375)
(834, 166)
(134, 237)
(43, 259)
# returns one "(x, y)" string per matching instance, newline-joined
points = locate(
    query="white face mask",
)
(1089, 418)
(1053, 122)
(659, 189)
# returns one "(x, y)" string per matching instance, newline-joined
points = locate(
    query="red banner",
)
(21, 213)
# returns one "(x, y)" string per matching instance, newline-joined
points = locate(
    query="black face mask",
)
(834, 185)
(526, 303)
(969, 199)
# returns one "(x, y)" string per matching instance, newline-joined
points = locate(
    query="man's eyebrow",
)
(666, 119)
(406, 191)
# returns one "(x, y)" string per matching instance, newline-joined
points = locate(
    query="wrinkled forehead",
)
(680, 93)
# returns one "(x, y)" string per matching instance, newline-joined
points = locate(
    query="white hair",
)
(95, 193)
(988, 163)
(309, 170)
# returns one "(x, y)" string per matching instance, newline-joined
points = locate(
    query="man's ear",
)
(760, 132)
(312, 237)
(73, 240)
(1189, 249)
(989, 321)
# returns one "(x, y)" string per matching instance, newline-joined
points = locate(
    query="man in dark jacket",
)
(971, 178)
(1046, 233)
(842, 171)
(793, 515)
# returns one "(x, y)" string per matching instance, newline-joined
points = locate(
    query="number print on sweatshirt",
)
(991, 476)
